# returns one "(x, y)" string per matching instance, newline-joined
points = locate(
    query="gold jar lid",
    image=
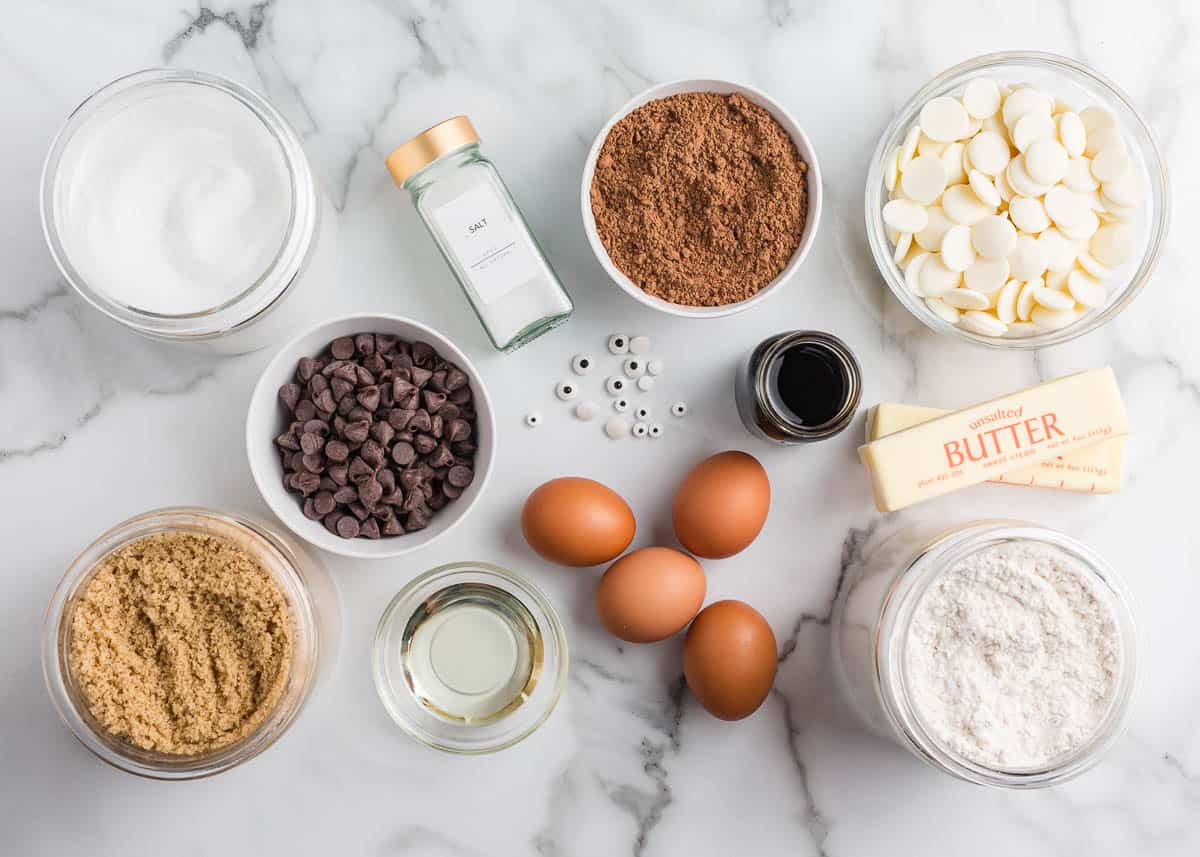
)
(425, 148)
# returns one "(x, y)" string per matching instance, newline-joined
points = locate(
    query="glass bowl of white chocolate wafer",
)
(1017, 200)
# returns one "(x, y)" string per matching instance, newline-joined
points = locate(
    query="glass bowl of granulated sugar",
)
(701, 198)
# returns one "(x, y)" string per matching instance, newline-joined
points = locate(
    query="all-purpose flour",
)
(1013, 656)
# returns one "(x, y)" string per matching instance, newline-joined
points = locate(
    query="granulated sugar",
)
(1013, 656)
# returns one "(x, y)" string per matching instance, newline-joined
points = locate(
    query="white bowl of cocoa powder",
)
(701, 198)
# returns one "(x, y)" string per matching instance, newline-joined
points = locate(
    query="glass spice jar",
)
(481, 233)
(798, 387)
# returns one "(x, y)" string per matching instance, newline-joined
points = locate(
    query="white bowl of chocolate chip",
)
(370, 435)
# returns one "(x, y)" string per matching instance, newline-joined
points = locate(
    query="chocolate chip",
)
(392, 498)
(385, 342)
(328, 484)
(438, 381)
(311, 443)
(347, 372)
(402, 363)
(424, 443)
(289, 394)
(456, 379)
(451, 490)
(368, 397)
(347, 527)
(324, 503)
(314, 463)
(420, 421)
(437, 426)
(401, 388)
(370, 491)
(338, 474)
(342, 348)
(460, 476)
(387, 479)
(375, 364)
(341, 388)
(369, 529)
(364, 344)
(399, 418)
(331, 521)
(316, 427)
(306, 368)
(449, 412)
(316, 384)
(458, 430)
(287, 440)
(325, 401)
(372, 453)
(336, 451)
(393, 527)
(359, 470)
(357, 431)
(460, 396)
(432, 400)
(307, 483)
(418, 519)
(345, 494)
(359, 511)
(423, 353)
(383, 433)
(421, 376)
(464, 448)
(410, 478)
(365, 377)
(346, 406)
(305, 411)
(403, 453)
(310, 510)
(441, 456)
(358, 413)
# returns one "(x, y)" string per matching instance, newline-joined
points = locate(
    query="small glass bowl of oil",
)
(469, 658)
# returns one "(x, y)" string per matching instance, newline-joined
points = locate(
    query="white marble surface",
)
(97, 425)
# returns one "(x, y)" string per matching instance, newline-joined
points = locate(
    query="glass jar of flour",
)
(1000, 652)
(481, 233)
(183, 205)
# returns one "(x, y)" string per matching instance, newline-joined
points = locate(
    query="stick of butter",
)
(1094, 469)
(987, 440)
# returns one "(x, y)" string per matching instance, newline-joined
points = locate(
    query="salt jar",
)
(482, 235)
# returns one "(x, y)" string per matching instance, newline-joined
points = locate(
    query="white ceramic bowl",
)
(265, 419)
(723, 87)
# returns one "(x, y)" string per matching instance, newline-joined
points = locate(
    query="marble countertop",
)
(98, 425)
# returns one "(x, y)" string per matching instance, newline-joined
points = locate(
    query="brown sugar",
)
(181, 643)
(700, 198)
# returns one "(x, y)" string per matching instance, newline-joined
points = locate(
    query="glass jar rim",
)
(274, 556)
(896, 615)
(492, 736)
(1159, 216)
(259, 297)
(853, 372)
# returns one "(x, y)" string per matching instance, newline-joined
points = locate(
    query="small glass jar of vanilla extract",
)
(798, 387)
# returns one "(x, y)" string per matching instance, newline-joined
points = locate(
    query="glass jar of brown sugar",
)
(798, 387)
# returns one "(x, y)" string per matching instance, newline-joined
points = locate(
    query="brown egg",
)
(729, 659)
(650, 594)
(722, 504)
(577, 521)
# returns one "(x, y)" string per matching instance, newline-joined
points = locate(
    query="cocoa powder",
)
(700, 198)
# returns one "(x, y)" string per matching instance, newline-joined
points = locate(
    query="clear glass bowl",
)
(1078, 85)
(397, 686)
(871, 622)
(312, 600)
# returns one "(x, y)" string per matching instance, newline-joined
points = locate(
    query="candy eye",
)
(656, 429)
(581, 364)
(566, 391)
(645, 383)
(618, 343)
(634, 367)
(655, 367)
(621, 405)
(640, 429)
(679, 409)
(639, 345)
(615, 386)
(533, 420)
(642, 413)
